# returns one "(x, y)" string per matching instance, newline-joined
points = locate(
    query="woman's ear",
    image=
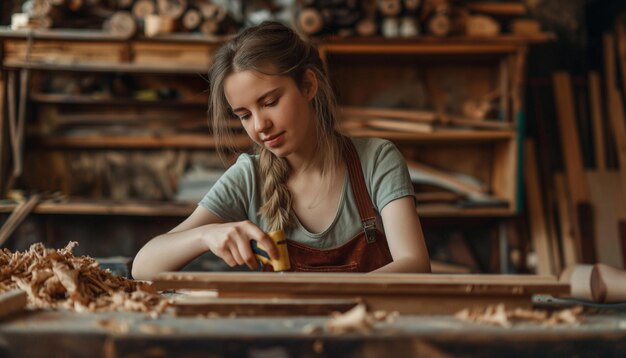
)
(309, 84)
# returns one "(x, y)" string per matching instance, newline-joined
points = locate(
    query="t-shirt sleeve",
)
(390, 178)
(230, 197)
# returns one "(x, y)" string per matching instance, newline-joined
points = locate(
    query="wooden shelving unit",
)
(154, 56)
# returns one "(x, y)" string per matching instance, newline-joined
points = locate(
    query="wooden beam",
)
(538, 231)
(595, 99)
(406, 293)
(569, 244)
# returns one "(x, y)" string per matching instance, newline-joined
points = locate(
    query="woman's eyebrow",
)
(260, 99)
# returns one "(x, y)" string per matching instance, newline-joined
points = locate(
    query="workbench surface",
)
(52, 333)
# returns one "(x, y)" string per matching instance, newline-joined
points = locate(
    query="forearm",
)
(406, 265)
(168, 252)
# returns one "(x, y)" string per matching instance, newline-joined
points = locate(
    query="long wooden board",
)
(406, 293)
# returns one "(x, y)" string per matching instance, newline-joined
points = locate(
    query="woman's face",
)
(273, 110)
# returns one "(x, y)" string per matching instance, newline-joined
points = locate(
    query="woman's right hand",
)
(231, 242)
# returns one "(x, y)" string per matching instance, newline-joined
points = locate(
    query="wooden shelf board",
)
(110, 207)
(95, 100)
(143, 208)
(441, 135)
(174, 68)
(102, 36)
(179, 140)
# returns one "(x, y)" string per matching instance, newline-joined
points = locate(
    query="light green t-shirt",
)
(237, 196)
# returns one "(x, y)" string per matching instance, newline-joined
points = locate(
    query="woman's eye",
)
(271, 102)
(243, 117)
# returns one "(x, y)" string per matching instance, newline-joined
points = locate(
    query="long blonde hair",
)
(275, 46)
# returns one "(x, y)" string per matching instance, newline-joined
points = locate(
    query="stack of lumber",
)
(397, 18)
(366, 120)
(405, 293)
(577, 213)
(126, 17)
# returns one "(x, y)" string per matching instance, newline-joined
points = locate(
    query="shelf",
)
(429, 44)
(96, 100)
(439, 136)
(160, 208)
(110, 207)
(154, 142)
(174, 68)
(102, 36)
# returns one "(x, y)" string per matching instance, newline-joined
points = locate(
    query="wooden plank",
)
(409, 115)
(405, 293)
(586, 223)
(15, 219)
(570, 139)
(152, 141)
(569, 244)
(191, 306)
(401, 126)
(12, 302)
(618, 126)
(536, 212)
(446, 178)
(350, 283)
(595, 99)
(610, 206)
(437, 136)
(621, 49)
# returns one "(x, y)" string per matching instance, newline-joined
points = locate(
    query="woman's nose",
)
(261, 123)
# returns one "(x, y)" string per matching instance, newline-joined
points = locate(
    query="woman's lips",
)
(275, 140)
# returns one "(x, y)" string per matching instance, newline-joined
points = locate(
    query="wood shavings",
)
(499, 316)
(113, 325)
(358, 320)
(57, 279)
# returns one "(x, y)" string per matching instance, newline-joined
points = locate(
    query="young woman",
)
(331, 195)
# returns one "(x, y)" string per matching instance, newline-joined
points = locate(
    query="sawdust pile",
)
(358, 319)
(57, 279)
(499, 316)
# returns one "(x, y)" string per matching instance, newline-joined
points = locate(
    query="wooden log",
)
(481, 25)
(121, 23)
(143, 8)
(439, 25)
(210, 27)
(212, 11)
(172, 9)
(389, 7)
(536, 212)
(366, 27)
(158, 24)
(123, 4)
(11, 302)
(310, 21)
(411, 5)
(192, 19)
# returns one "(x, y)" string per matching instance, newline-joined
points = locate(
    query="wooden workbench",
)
(52, 333)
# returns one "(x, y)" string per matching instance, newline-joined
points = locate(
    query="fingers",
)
(267, 243)
(247, 255)
(227, 256)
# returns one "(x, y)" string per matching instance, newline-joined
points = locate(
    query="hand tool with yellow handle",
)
(282, 263)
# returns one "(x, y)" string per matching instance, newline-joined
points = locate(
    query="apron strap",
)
(359, 190)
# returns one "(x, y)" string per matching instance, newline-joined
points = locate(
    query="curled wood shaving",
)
(358, 319)
(499, 316)
(57, 279)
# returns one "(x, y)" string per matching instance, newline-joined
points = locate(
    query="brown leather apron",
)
(365, 252)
